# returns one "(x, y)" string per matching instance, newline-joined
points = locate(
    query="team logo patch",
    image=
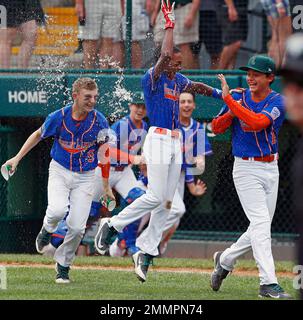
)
(275, 113)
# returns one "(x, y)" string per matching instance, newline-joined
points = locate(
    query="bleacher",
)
(59, 37)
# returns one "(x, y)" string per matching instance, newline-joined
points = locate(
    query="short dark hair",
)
(192, 93)
(157, 52)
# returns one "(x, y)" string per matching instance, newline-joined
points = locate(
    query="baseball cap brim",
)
(137, 102)
(246, 68)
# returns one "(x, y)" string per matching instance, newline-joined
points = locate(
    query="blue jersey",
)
(128, 138)
(249, 143)
(195, 143)
(76, 142)
(162, 98)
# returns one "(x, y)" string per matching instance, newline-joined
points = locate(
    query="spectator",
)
(23, 17)
(209, 33)
(140, 26)
(186, 29)
(233, 17)
(100, 20)
(279, 17)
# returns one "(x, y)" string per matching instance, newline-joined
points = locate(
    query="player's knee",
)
(155, 199)
(55, 212)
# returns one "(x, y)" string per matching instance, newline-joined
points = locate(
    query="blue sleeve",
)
(275, 110)
(189, 178)
(183, 82)
(223, 110)
(103, 135)
(51, 124)
(217, 94)
(103, 121)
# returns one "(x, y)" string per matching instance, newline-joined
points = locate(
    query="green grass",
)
(38, 282)
(249, 265)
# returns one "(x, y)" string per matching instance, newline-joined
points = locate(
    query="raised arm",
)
(202, 88)
(168, 42)
(255, 121)
(29, 144)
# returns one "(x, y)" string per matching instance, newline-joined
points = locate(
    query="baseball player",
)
(194, 148)
(80, 138)
(255, 114)
(162, 86)
(292, 73)
(128, 135)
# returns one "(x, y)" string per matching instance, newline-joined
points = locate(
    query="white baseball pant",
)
(121, 181)
(178, 207)
(163, 157)
(68, 188)
(257, 187)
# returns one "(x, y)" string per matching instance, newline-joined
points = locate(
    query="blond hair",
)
(84, 83)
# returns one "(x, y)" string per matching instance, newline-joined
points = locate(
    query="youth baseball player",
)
(194, 148)
(80, 137)
(255, 114)
(162, 86)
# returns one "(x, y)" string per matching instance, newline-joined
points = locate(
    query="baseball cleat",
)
(219, 273)
(274, 291)
(62, 274)
(141, 262)
(104, 236)
(42, 240)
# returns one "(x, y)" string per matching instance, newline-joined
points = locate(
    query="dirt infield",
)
(237, 272)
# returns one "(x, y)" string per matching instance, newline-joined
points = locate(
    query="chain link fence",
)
(54, 41)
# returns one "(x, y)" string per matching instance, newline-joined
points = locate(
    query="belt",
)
(269, 158)
(172, 133)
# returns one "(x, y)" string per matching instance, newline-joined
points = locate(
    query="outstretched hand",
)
(199, 188)
(224, 85)
(168, 12)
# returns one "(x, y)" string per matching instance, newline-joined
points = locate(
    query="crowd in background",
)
(220, 25)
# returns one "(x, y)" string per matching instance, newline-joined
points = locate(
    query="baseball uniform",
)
(256, 178)
(72, 173)
(162, 151)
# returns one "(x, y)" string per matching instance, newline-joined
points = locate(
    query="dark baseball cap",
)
(137, 98)
(260, 63)
(292, 66)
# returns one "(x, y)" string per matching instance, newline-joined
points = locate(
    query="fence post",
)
(128, 43)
